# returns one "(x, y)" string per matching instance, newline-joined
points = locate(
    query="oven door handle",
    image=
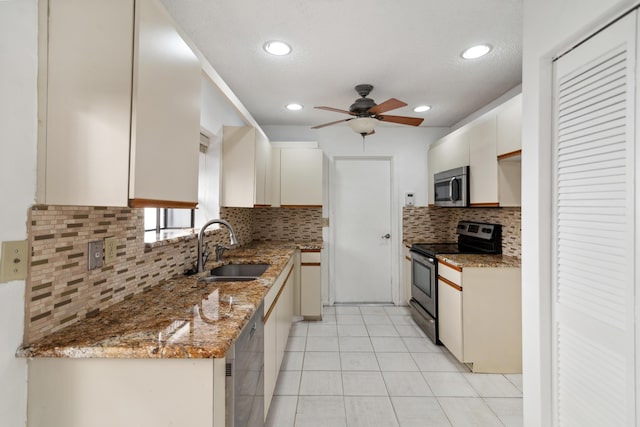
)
(418, 257)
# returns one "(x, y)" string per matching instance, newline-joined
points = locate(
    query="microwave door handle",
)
(451, 189)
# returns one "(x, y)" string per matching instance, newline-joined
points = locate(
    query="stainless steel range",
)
(473, 238)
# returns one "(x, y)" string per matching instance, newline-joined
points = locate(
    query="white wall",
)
(216, 112)
(550, 27)
(18, 118)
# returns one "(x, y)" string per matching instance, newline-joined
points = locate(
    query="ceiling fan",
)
(366, 112)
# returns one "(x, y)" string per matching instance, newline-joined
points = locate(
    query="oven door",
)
(423, 282)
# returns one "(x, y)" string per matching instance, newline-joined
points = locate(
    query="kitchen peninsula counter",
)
(179, 318)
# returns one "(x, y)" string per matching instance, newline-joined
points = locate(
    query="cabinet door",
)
(450, 317)
(270, 370)
(483, 162)
(262, 177)
(238, 166)
(274, 172)
(301, 177)
(285, 315)
(165, 131)
(509, 126)
(310, 286)
(90, 51)
(452, 152)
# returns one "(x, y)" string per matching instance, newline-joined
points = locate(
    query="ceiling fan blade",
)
(329, 124)
(389, 104)
(411, 121)
(337, 110)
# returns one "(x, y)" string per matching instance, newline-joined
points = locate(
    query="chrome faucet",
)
(232, 235)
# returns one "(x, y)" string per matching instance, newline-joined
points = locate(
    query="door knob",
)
(386, 236)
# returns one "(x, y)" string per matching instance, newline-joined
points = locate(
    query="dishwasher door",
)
(245, 376)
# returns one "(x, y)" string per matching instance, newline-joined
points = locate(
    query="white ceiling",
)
(407, 49)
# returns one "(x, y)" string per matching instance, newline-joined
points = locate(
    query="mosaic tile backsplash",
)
(287, 224)
(61, 291)
(435, 224)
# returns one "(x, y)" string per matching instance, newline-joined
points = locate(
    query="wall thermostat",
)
(409, 199)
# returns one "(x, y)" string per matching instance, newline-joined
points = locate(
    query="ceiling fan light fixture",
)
(294, 107)
(362, 125)
(422, 108)
(278, 48)
(476, 51)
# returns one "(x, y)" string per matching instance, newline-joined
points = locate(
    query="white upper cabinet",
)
(490, 145)
(451, 151)
(245, 171)
(165, 136)
(101, 146)
(509, 127)
(483, 164)
(301, 177)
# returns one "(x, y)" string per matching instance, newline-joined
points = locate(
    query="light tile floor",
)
(372, 366)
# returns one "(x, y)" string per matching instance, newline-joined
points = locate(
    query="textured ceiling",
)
(407, 49)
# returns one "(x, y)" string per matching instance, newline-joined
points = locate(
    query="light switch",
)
(13, 265)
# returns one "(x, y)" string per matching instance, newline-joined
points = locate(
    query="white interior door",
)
(593, 274)
(362, 226)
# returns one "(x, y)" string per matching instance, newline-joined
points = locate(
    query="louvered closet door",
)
(593, 223)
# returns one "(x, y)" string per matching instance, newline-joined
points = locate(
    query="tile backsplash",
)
(61, 291)
(435, 224)
(287, 224)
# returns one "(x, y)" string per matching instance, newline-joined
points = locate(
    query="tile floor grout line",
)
(405, 338)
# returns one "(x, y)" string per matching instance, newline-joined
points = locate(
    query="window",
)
(157, 219)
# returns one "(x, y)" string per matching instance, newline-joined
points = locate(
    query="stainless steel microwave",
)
(451, 188)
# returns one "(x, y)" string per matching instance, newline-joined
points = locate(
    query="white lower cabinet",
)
(450, 317)
(480, 316)
(66, 392)
(278, 315)
(310, 285)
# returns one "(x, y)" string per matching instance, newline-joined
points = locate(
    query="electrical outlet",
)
(96, 254)
(110, 250)
(14, 261)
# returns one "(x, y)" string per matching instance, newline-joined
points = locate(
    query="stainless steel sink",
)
(239, 270)
(236, 273)
(228, 278)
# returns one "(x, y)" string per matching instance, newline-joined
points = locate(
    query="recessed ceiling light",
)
(422, 108)
(294, 107)
(476, 51)
(278, 48)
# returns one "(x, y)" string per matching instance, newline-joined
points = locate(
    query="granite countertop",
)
(480, 260)
(180, 318)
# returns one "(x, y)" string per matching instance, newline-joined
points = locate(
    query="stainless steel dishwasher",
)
(245, 376)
